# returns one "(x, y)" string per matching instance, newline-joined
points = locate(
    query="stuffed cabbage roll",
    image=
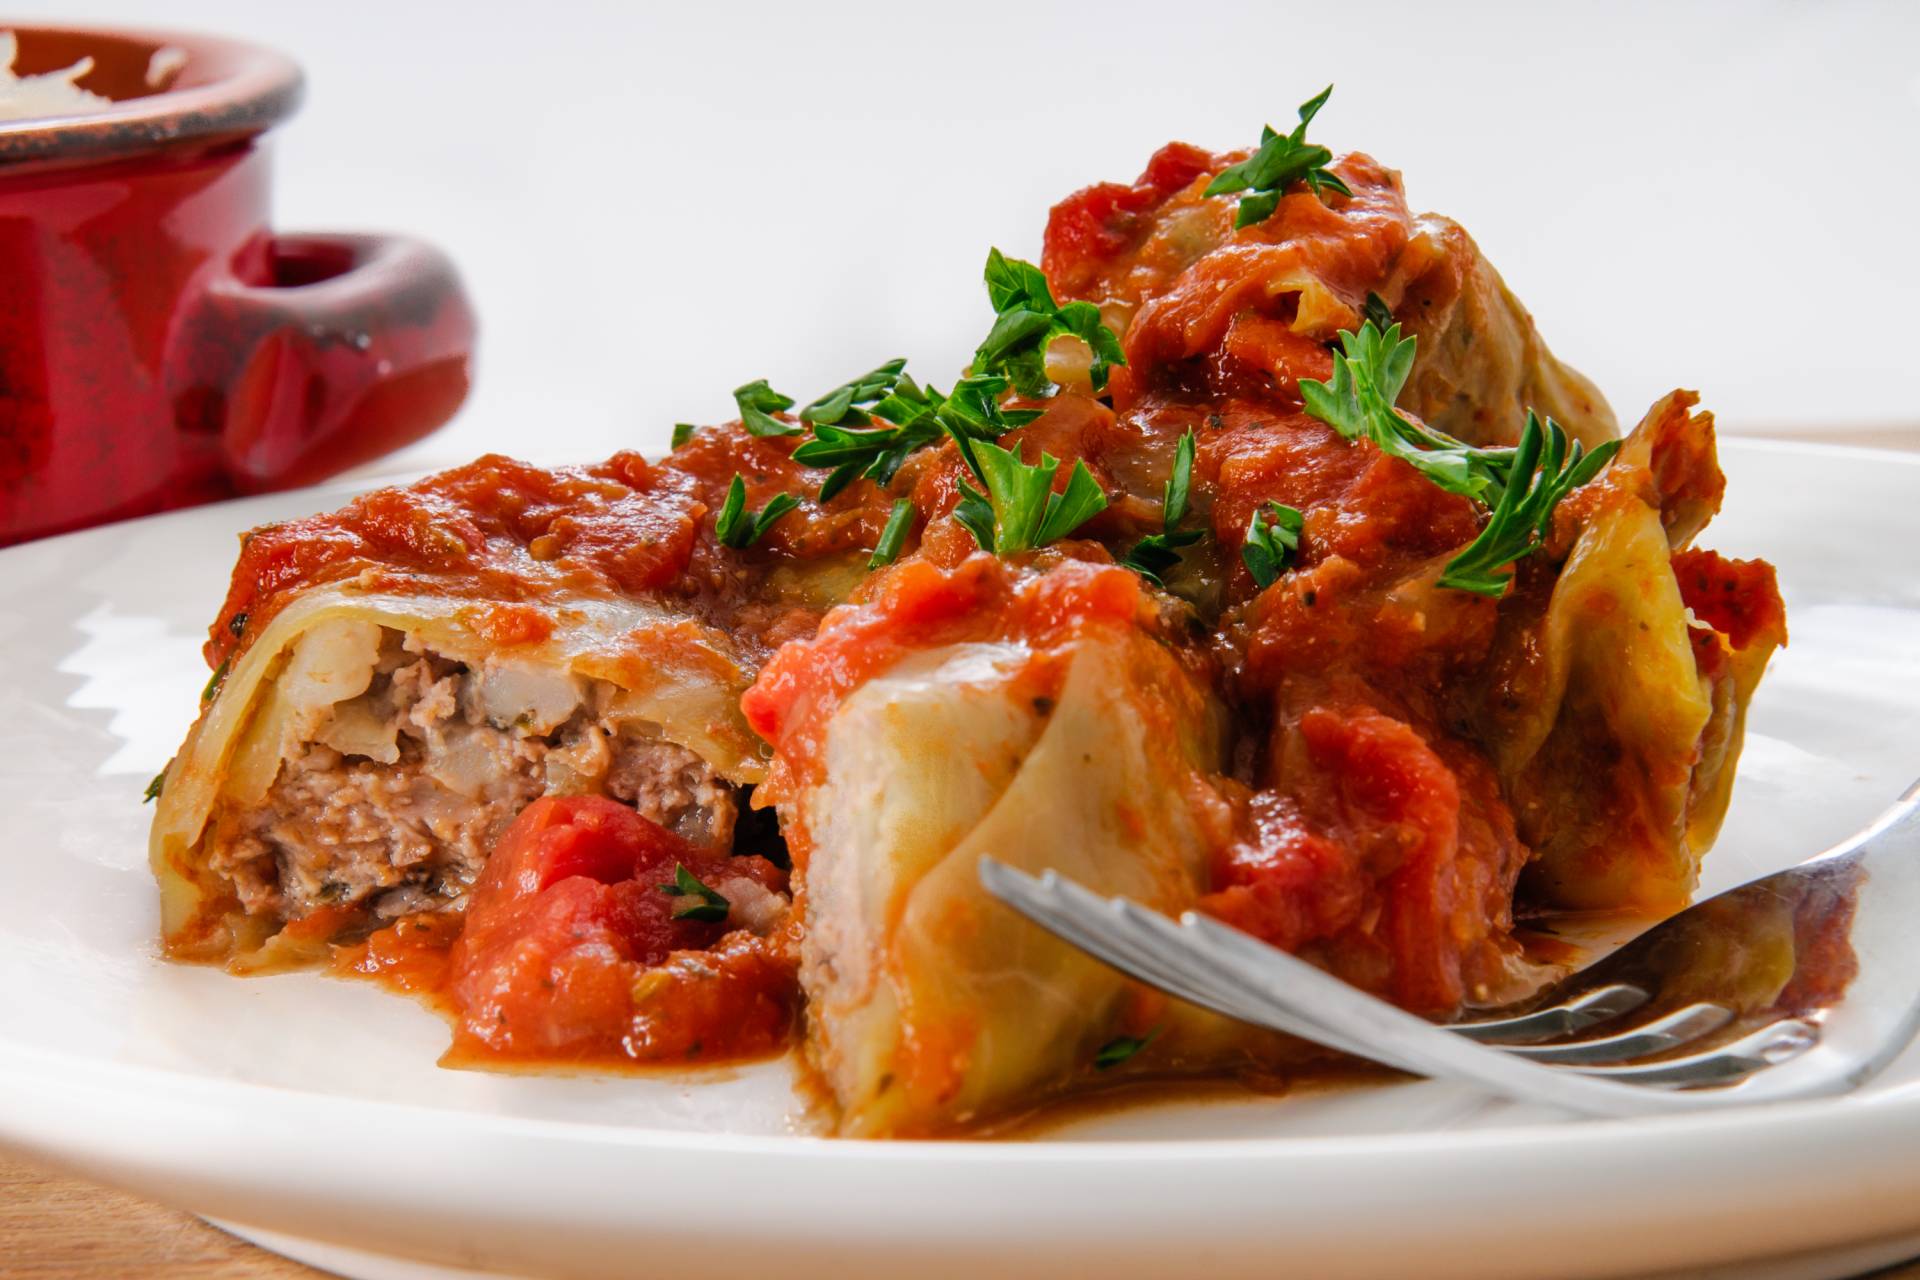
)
(1252, 310)
(1048, 718)
(396, 681)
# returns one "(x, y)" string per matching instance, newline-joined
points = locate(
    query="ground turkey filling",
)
(411, 831)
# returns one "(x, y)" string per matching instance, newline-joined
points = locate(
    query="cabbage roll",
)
(1046, 719)
(396, 681)
(1254, 309)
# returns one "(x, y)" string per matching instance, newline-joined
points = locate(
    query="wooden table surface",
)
(58, 1228)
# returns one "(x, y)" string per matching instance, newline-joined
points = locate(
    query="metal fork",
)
(1795, 985)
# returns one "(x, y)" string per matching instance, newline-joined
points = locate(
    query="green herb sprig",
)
(699, 902)
(847, 403)
(1546, 468)
(1521, 485)
(1281, 161)
(217, 679)
(738, 527)
(894, 536)
(1357, 401)
(1376, 312)
(1273, 535)
(1120, 1048)
(1156, 553)
(1027, 320)
(757, 403)
(919, 416)
(1019, 510)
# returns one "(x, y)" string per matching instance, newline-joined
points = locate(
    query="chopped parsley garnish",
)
(1027, 319)
(1546, 468)
(737, 527)
(1120, 1048)
(877, 453)
(155, 787)
(758, 402)
(1156, 553)
(1522, 485)
(700, 902)
(683, 432)
(1273, 535)
(1019, 510)
(919, 416)
(1357, 401)
(973, 411)
(894, 535)
(214, 681)
(1281, 161)
(1377, 313)
(847, 404)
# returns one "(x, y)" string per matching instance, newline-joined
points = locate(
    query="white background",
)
(654, 204)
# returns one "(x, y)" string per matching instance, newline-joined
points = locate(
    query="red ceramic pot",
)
(159, 345)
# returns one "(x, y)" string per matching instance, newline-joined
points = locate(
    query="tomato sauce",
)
(505, 532)
(576, 947)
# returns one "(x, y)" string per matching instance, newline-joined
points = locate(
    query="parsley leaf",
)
(1027, 319)
(1357, 401)
(972, 411)
(683, 432)
(1522, 485)
(214, 681)
(1377, 313)
(1120, 1048)
(737, 527)
(1545, 469)
(704, 904)
(758, 402)
(155, 787)
(848, 403)
(919, 416)
(1019, 510)
(1282, 160)
(1156, 553)
(894, 535)
(1271, 542)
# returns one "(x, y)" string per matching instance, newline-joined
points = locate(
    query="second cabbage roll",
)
(1201, 301)
(1045, 718)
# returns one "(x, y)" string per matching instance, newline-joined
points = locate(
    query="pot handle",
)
(358, 345)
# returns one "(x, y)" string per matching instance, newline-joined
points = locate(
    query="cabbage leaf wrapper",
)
(1617, 718)
(1043, 718)
(355, 764)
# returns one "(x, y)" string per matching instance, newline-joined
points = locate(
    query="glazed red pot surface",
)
(159, 344)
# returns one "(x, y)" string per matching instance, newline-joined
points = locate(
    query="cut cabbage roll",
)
(360, 759)
(396, 681)
(1043, 719)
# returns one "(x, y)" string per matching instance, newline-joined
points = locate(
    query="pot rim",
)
(226, 89)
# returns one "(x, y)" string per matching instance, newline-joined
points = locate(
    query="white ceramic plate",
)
(311, 1111)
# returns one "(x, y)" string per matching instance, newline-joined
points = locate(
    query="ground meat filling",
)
(405, 822)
